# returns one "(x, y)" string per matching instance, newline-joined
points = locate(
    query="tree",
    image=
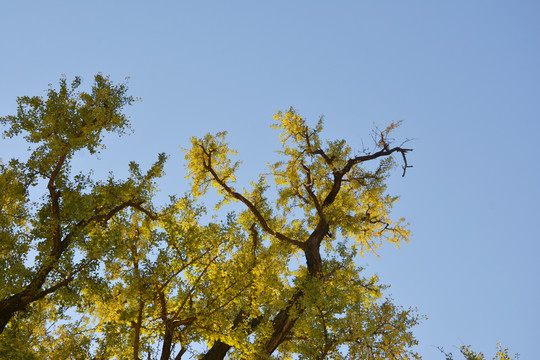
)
(468, 354)
(324, 194)
(54, 230)
(118, 277)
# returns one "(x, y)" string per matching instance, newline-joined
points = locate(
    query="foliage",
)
(44, 249)
(94, 270)
(468, 354)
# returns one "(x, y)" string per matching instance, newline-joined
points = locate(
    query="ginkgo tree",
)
(329, 208)
(42, 243)
(95, 270)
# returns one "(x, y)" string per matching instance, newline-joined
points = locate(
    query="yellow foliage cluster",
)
(115, 276)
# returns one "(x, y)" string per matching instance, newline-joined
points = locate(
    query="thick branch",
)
(338, 175)
(137, 326)
(262, 221)
(180, 353)
(219, 350)
(309, 188)
(18, 302)
(327, 159)
(55, 195)
(283, 323)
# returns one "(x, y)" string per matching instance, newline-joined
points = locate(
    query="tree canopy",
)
(95, 269)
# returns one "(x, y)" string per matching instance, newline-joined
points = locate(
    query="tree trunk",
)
(313, 258)
(8, 308)
(283, 322)
(217, 351)
(167, 341)
(16, 303)
(138, 324)
(220, 349)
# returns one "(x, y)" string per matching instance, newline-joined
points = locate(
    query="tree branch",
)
(55, 195)
(309, 189)
(262, 221)
(338, 175)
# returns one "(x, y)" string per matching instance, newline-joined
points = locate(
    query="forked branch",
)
(260, 218)
(338, 175)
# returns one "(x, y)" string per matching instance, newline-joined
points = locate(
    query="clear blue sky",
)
(463, 75)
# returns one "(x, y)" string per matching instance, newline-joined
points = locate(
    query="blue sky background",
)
(463, 75)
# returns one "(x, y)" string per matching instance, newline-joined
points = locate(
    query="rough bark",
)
(217, 351)
(167, 341)
(282, 323)
(220, 349)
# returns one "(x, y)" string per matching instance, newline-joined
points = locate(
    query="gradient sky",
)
(463, 75)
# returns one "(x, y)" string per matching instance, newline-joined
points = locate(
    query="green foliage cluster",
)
(468, 354)
(95, 270)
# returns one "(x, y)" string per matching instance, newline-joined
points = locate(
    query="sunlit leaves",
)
(318, 185)
(468, 354)
(47, 256)
(315, 181)
(102, 272)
